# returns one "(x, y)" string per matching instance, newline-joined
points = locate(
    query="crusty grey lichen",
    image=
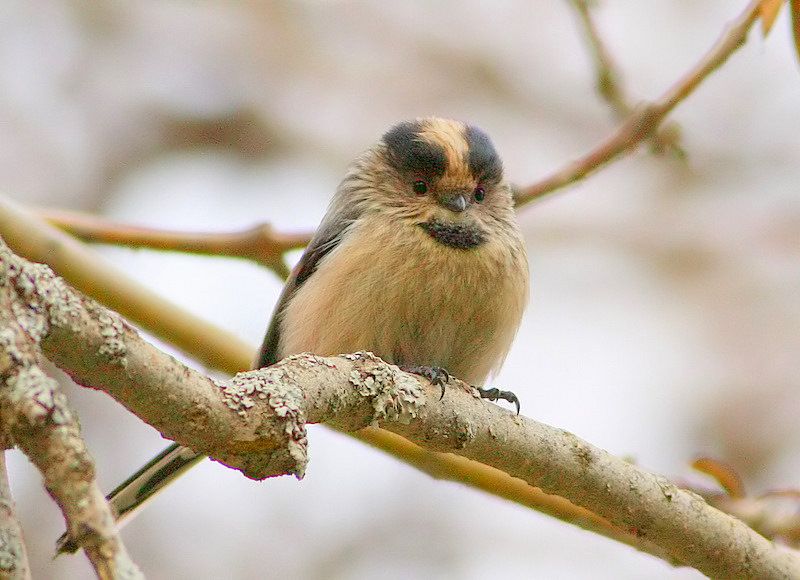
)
(45, 298)
(10, 355)
(112, 329)
(9, 552)
(395, 396)
(36, 398)
(284, 397)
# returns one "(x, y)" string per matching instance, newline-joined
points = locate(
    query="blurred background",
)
(664, 320)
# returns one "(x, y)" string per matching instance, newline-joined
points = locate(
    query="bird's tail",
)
(142, 486)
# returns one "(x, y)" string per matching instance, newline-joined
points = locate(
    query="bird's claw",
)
(493, 394)
(436, 375)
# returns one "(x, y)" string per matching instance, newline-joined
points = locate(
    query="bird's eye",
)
(480, 194)
(420, 187)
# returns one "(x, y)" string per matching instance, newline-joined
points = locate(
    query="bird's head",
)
(443, 176)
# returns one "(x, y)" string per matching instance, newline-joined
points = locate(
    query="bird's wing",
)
(325, 240)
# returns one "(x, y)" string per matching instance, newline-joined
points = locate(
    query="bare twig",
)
(641, 122)
(13, 556)
(261, 243)
(35, 416)
(775, 514)
(256, 423)
(648, 117)
(609, 83)
(31, 237)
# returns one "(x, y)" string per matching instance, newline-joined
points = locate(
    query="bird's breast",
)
(411, 300)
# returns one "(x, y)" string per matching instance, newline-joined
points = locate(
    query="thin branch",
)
(35, 416)
(85, 269)
(646, 118)
(13, 556)
(794, 6)
(256, 422)
(609, 83)
(261, 243)
(774, 514)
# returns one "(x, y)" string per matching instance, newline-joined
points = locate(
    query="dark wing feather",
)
(327, 237)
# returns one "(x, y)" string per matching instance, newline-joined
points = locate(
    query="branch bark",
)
(35, 415)
(256, 422)
(13, 556)
(646, 118)
(85, 269)
(609, 83)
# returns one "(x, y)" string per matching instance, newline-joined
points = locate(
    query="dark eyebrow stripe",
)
(410, 153)
(484, 162)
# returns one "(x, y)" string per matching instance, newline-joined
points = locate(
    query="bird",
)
(418, 259)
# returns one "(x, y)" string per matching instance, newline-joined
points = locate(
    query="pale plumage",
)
(411, 300)
(419, 259)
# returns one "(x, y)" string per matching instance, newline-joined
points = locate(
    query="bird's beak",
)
(455, 201)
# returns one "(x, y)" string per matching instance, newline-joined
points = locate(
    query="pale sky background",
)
(664, 320)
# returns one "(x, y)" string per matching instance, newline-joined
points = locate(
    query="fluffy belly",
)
(411, 301)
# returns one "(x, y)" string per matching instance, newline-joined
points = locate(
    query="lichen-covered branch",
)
(13, 556)
(35, 416)
(31, 237)
(261, 243)
(256, 423)
(647, 118)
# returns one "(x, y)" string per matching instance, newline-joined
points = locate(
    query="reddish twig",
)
(646, 118)
(609, 84)
(261, 243)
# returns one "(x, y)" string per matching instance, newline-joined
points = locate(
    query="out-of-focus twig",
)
(775, 514)
(261, 243)
(646, 118)
(609, 83)
(13, 556)
(768, 12)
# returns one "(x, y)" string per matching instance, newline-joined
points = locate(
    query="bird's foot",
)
(493, 394)
(436, 375)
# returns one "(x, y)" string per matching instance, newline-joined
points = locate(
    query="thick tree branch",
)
(445, 466)
(13, 556)
(35, 416)
(261, 243)
(81, 267)
(256, 422)
(646, 118)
